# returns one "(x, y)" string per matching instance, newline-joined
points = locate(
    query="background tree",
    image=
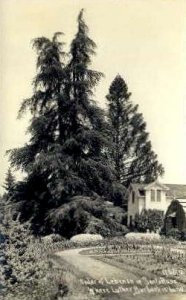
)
(9, 184)
(131, 153)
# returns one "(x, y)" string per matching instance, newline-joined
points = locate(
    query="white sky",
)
(142, 40)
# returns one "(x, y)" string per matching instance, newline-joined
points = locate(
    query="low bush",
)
(174, 233)
(150, 219)
(143, 236)
(107, 227)
(183, 235)
(52, 238)
(86, 237)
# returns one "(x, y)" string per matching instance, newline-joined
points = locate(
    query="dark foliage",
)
(9, 184)
(174, 218)
(131, 152)
(174, 233)
(118, 194)
(73, 217)
(85, 214)
(88, 127)
(65, 155)
(150, 219)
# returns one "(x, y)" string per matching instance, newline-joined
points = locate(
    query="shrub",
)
(26, 271)
(86, 237)
(115, 228)
(174, 233)
(183, 235)
(52, 238)
(107, 227)
(151, 220)
(86, 215)
(179, 219)
(143, 236)
(73, 217)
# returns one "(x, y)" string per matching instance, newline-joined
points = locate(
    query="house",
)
(154, 195)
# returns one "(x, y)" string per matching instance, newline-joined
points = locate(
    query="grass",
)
(160, 261)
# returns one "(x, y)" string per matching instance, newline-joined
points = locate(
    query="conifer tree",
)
(65, 155)
(37, 158)
(9, 184)
(88, 126)
(131, 152)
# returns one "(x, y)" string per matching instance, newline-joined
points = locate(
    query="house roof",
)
(176, 191)
(137, 187)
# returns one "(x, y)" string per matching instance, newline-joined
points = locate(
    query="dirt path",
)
(94, 268)
(104, 273)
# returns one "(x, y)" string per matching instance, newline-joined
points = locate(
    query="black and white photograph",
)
(93, 150)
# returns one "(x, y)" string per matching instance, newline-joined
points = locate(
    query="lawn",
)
(164, 259)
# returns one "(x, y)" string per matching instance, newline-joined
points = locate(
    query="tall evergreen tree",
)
(38, 158)
(65, 155)
(88, 127)
(131, 152)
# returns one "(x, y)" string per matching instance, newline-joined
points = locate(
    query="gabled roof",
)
(175, 191)
(162, 186)
(137, 187)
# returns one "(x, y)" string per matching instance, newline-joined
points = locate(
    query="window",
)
(152, 195)
(142, 192)
(133, 196)
(158, 195)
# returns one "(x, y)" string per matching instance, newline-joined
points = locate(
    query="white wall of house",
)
(141, 204)
(160, 204)
(133, 207)
(155, 198)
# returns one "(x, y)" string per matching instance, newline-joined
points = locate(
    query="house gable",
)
(136, 187)
(140, 189)
(156, 185)
(176, 191)
(154, 195)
